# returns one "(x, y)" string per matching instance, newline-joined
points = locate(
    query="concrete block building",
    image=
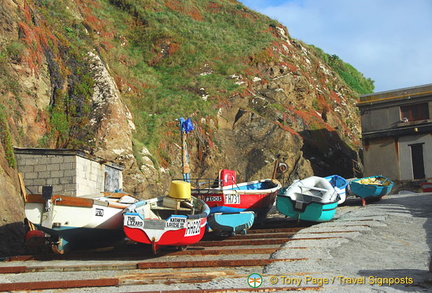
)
(397, 133)
(70, 172)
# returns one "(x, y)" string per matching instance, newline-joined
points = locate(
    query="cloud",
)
(388, 41)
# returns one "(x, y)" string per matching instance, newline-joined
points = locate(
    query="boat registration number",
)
(232, 198)
(193, 227)
(213, 198)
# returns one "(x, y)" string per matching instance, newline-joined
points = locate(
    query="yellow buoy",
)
(180, 189)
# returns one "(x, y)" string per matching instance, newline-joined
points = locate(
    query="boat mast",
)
(185, 127)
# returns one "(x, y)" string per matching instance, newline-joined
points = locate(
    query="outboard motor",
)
(47, 192)
(227, 177)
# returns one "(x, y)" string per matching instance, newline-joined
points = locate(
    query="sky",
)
(388, 41)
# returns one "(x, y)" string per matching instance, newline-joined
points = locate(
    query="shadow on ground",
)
(409, 280)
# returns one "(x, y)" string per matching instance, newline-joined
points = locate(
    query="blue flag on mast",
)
(186, 125)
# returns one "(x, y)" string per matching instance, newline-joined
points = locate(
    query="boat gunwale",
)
(132, 209)
(236, 188)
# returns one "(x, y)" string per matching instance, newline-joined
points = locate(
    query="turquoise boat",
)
(339, 184)
(371, 188)
(231, 223)
(311, 199)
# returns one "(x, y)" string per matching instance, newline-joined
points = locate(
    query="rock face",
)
(112, 124)
(288, 115)
(292, 109)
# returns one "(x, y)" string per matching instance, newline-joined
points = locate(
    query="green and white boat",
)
(311, 199)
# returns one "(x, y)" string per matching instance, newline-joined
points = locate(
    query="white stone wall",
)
(91, 177)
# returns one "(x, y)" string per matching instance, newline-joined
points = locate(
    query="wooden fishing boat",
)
(311, 199)
(78, 222)
(339, 184)
(227, 197)
(371, 188)
(177, 219)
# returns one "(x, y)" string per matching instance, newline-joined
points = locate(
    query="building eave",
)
(397, 132)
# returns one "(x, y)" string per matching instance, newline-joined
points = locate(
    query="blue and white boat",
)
(311, 199)
(339, 184)
(231, 223)
(371, 188)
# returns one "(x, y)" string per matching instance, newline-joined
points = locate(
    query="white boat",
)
(340, 185)
(310, 199)
(78, 222)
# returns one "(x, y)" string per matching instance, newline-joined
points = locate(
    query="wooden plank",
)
(34, 198)
(24, 194)
(60, 284)
(115, 194)
(21, 181)
(213, 263)
(12, 270)
(62, 200)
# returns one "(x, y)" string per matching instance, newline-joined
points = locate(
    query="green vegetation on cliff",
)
(352, 77)
(168, 58)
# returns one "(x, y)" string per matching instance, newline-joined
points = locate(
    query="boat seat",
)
(307, 198)
(307, 188)
(174, 205)
(303, 199)
(319, 189)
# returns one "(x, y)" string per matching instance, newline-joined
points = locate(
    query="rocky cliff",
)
(111, 77)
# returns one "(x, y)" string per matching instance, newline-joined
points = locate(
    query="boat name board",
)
(175, 223)
(133, 221)
(193, 227)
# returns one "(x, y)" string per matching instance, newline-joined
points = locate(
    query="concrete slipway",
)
(382, 247)
(385, 247)
(389, 242)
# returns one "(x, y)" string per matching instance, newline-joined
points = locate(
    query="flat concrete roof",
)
(66, 152)
(409, 92)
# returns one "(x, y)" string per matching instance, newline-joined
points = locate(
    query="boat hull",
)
(361, 188)
(340, 185)
(150, 222)
(315, 212)
(311, 199)
(231, 223)
(158, 232)
(73, 238)
(256, 196)
(77, 222)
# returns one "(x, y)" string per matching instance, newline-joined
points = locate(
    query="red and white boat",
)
(226, 196)
(177, 219)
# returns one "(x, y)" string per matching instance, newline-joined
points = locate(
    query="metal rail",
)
(138, 266)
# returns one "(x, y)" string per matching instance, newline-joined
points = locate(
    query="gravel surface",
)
(382, 247)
